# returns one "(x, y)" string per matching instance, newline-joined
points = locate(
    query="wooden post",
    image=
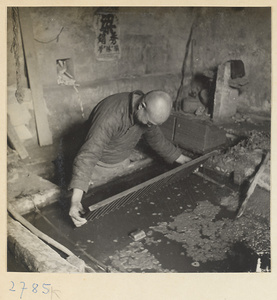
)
(42, 125)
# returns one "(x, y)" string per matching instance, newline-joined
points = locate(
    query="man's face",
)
(143, 117)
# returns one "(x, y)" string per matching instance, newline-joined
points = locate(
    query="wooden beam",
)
(42, 125)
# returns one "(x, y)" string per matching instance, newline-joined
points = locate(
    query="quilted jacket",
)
(113, 134)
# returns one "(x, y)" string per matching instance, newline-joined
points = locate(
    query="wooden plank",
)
(253, 184)
(43, 130)
(15, 141)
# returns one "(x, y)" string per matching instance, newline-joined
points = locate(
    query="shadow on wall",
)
(68, 148)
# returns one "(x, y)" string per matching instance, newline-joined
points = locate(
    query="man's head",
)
(154, 108)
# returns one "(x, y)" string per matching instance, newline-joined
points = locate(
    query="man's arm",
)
(161, 145)
(98, 137)
(156, 139)
(76, 208)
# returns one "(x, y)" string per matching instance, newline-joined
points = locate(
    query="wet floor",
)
(168, 246)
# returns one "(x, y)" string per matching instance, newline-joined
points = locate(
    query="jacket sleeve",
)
(98, 137)
(162, 146)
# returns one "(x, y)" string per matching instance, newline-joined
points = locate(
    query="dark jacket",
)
(113, 134)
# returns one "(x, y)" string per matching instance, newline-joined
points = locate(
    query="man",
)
(116, 125)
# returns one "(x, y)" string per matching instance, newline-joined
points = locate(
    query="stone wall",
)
(152, 48)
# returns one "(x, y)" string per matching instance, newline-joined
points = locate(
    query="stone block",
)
(225, 98)
(34, 253)
(27, 191)
(28, 203)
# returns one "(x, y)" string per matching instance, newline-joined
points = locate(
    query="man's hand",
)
(76, 208)
(183, 159)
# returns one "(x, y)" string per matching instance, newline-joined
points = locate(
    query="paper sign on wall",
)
(107, 45)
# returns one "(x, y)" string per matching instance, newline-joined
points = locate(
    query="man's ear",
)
(142, 105)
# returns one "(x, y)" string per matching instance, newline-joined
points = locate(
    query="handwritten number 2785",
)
(35, 288)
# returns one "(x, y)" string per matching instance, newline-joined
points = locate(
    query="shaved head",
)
(158, 106)
(154, 108)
